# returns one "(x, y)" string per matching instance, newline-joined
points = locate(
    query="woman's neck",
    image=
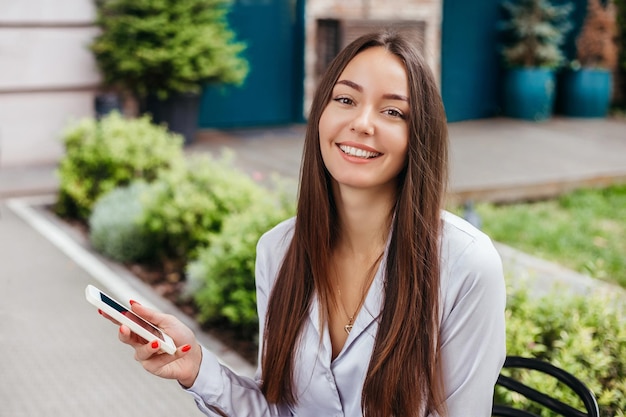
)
(364, 219)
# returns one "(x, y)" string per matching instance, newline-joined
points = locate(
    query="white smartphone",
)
(125, 316)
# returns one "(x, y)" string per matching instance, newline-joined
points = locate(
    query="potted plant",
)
(163, 52)
(585, 88)
(533, 33)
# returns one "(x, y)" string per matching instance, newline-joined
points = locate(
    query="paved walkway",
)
(61, 358)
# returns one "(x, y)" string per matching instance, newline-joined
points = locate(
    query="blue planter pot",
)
(585, 92)
(529, 93)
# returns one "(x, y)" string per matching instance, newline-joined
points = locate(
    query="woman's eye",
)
(394, 113)
(344, 100)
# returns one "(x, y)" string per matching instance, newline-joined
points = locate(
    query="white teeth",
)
(359, 153)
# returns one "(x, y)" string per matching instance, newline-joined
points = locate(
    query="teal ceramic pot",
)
(585, 92)
(529, 93)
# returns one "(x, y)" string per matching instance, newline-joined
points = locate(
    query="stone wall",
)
(47, 76)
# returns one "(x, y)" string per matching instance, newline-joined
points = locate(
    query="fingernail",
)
(121, 330)
(155, 344)
(186, 348)
(132, 302)
(100, 311)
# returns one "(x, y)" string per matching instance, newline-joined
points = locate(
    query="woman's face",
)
(363, 129)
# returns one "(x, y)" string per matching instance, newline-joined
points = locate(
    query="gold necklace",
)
(371, 273)
(348, 326)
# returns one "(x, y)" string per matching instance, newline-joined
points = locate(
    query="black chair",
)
(587, 397)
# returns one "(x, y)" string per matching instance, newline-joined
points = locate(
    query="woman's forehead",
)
(376, 68)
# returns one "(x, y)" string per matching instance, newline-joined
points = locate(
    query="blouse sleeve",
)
(218, 391)
(473, 336)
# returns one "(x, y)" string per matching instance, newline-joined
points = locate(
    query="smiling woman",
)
(363, 130)
(372, 301)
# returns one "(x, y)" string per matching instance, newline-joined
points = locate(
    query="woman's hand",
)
(183, 365)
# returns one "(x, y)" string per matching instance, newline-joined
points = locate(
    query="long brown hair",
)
(404, 376)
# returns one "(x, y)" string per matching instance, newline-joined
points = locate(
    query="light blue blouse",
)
(472, 337)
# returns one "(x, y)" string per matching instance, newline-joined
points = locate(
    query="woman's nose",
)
(363, 122)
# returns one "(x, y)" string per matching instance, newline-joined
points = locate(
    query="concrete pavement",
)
(61, 358)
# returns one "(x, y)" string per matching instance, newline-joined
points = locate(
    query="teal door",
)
(470, 67)
(273, 91)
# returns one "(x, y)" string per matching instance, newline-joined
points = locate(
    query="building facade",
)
(48, 77)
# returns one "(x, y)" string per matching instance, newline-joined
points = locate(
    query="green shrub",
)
(533, 33)
(165, 46)
(584, 335)
(188, 203)
(222, 278)
(100, 156)
(115, 228)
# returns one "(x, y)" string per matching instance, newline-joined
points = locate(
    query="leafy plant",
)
(102, 155)
(584, 335)
(188, 203)
(222, 278)
(534, 32)
(115, 228)
(595, 45)
(163, 46)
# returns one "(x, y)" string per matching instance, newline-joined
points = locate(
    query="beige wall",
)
(47, 76)
(428, 11)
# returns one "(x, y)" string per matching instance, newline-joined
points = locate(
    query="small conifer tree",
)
(620, 90)
(164, 46)
(596, 43)
(534, 31)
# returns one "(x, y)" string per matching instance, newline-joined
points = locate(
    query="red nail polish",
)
(100, 311)
(186, 348)
(132, 302)
(155, 344)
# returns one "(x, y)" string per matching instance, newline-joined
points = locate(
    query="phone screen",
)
(123, 310)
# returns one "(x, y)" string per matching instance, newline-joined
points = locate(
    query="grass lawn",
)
(584, 230)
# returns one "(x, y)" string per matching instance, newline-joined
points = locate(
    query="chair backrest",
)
(585, 394)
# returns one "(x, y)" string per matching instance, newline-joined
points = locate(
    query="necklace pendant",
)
(347, 328)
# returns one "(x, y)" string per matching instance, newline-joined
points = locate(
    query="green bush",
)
(159, 47)
(222, 278)
(533, 33)
(102, 155)
(185, 205)
(115, 227)
(584, 335)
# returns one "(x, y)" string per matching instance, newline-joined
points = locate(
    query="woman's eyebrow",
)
(396, 97)
(359, 88)
(351, 84)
